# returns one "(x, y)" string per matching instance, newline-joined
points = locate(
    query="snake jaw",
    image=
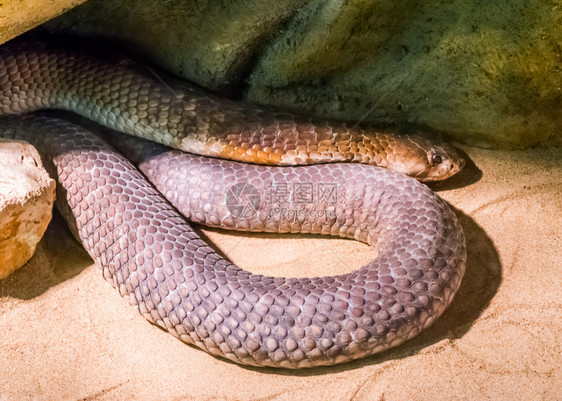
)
(444, 162)
(426, 160)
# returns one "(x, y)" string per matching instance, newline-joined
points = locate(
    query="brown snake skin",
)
(156, 261)
(127, 96)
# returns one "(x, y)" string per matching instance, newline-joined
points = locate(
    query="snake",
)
(130, 203)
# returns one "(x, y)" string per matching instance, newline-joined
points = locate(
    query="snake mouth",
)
(443, 161)
(428, 165)
(444, 170)
(425, 158)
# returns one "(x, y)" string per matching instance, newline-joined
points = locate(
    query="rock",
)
(27, 194)
(17, 16)
(485, 74)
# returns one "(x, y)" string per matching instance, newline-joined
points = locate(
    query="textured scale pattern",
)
(156, 261)
(130, 97)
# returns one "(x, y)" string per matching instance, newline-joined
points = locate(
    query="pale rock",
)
(27, 194)
(18, 16)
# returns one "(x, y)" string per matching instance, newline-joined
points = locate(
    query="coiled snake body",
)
(156, 261)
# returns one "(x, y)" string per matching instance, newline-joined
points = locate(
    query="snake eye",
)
(436, 159)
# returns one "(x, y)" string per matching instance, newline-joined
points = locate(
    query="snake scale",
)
(152, 256)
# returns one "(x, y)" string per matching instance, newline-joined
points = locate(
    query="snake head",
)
(426, 159)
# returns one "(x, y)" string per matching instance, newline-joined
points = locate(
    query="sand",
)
(66, 334)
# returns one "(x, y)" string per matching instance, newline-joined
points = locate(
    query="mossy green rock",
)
(485, 73)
